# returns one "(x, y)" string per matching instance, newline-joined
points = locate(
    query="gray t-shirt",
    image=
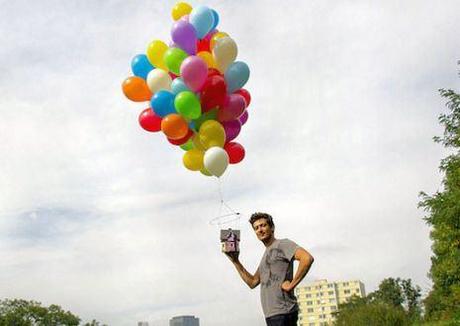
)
(275, 267)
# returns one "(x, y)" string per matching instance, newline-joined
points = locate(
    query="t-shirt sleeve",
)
(288, 247)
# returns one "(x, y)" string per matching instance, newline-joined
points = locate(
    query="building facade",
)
(142, 323)
(320, 299)
(184, 321)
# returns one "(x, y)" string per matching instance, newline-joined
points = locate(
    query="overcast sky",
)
(100, 217)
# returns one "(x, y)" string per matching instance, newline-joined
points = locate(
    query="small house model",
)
(230, 240)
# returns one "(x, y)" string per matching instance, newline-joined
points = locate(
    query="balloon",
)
(245, 94)
(188, 145)
(214, 72)
(197, 142)
(188, 105)
(210, 115)
(163, 103)
(194, 72)
(224, 53)
(235, 152)
(205, 172)
(216, 161)
(216, 19)
(207, 57)
(155, 53)
(149, 120)
(174, 126)
(183, 34)
(215, 37)
(233, 107)
(232, 129)
(158, 79)
(244, 117)
(203, 45)
(141, 66)
(183, 140)
(213, 93)
(136, 89)
(236, 76)
(193, 159)
(202, 19)
(180, 9)
(212, 133)
(173, 58)
(178, 86)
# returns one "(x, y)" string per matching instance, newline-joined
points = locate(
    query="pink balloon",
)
(194, 72)
(244, 117)
(232, 129)
(233, 107)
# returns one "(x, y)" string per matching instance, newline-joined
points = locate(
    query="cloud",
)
(100, 217)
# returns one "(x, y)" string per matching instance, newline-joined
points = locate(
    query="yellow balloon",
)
(212, 134)
(207, 57)
(155, 53)
(193, 159)
(197, 142)
(224, 53)
(215, 37)
(181, 9)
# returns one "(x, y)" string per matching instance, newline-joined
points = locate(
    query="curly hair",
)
(258, 215)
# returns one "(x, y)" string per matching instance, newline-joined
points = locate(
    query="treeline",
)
(397, 302)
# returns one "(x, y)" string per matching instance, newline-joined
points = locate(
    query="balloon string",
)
(221, 218)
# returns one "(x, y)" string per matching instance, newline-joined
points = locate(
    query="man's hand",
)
(286, 286)
(233, 256)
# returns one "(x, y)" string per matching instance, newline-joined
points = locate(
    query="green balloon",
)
(173, 58)
(210, 115)
(188, 145)
(188, 105)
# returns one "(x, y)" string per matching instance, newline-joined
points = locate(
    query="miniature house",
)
(230, 240)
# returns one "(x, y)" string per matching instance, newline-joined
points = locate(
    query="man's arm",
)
(305, 262)
(251, 280)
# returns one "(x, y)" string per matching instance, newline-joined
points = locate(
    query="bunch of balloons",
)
(194, 86)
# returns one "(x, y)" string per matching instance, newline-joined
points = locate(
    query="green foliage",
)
(19, 312)
(395, 303)
(30, 313)
(443, 209)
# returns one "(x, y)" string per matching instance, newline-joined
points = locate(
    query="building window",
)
(357, 290)
(331, 300)
(318, 302)
(308, 295)
(310, 310)
(345, 284)
(333, 308)
(330, 285)
(311, 324)
(331, 293)
(308, 288)
(346, 291)
(309, 303)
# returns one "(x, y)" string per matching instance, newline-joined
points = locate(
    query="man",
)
(275, 272)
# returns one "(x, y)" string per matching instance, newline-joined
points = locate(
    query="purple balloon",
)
(244, 117)
(232, 129)
(184, 35)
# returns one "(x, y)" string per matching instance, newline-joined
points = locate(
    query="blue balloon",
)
(163, 103)
(216, 19)
(178, 86)
(191, 125)
(202, 19)
(141, 66)
(236, 76)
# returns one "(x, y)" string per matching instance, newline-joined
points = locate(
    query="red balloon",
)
(235, 152)
(149, 120)
(202, 45)
(173, 76)
(181, 141)
(213, 72)
(213, 93)
(243, 92)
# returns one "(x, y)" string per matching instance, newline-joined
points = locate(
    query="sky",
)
(101, 218)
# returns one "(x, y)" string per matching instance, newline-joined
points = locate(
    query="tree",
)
(27, 313)
(19, 312)
(395, 302)
(443, 208)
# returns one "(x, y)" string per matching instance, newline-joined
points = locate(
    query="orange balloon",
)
(174, 126)
(136, 89)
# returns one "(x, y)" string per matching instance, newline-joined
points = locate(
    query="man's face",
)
(262, 229)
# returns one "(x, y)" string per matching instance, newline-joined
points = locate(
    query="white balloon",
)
(158, 79)
(216, 161)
